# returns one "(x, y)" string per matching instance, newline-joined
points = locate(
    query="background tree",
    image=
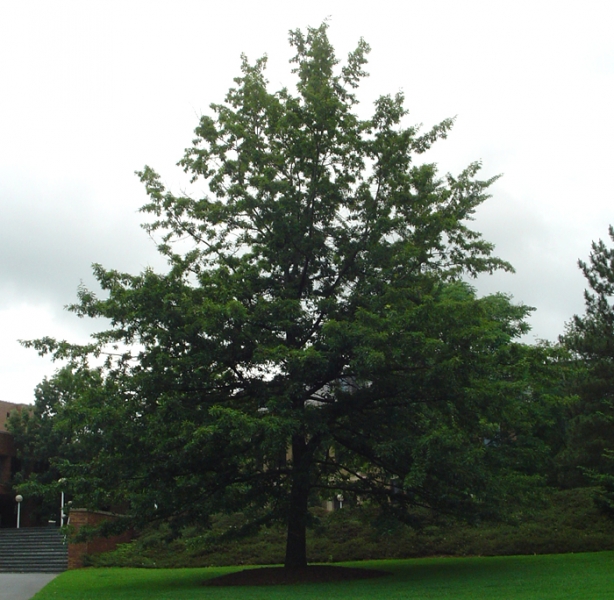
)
(36, 444)
(591, 338)
(312, 334)
(52, 433)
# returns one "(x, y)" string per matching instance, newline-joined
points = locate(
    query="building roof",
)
(6, 408)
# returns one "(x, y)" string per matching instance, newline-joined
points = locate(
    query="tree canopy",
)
(590, 338)
(314, 334)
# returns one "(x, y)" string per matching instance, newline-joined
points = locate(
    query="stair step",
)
(33, 550)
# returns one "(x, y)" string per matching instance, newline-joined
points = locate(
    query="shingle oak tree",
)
(313, 334)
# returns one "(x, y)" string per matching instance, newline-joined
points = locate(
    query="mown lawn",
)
(587, 576)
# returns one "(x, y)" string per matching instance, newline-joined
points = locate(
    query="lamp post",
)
(18, 499)
(62, 481)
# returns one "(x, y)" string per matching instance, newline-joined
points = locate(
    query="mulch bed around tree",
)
(284, 576)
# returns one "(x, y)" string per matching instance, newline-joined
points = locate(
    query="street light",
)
(62, 481)
(18, 499)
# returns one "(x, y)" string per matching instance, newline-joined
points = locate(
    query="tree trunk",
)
(296, 542)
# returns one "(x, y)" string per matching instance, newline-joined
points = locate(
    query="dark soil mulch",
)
(284, 576)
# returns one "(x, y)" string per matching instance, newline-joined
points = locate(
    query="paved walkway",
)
(22, 586)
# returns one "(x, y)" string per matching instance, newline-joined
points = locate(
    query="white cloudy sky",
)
(91, 91)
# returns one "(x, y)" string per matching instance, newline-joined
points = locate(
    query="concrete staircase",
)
(33, 550)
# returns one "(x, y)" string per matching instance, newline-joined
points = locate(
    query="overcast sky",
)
(92, 91)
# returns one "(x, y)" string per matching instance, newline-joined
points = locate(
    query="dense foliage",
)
(566, 521)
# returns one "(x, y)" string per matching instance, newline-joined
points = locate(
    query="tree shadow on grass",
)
(286, 576)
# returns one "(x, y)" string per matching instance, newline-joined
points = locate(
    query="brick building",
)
(8, 465)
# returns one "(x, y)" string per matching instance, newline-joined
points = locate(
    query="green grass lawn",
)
(587, 576)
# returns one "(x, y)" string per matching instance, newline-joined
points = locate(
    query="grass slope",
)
(547, 577)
